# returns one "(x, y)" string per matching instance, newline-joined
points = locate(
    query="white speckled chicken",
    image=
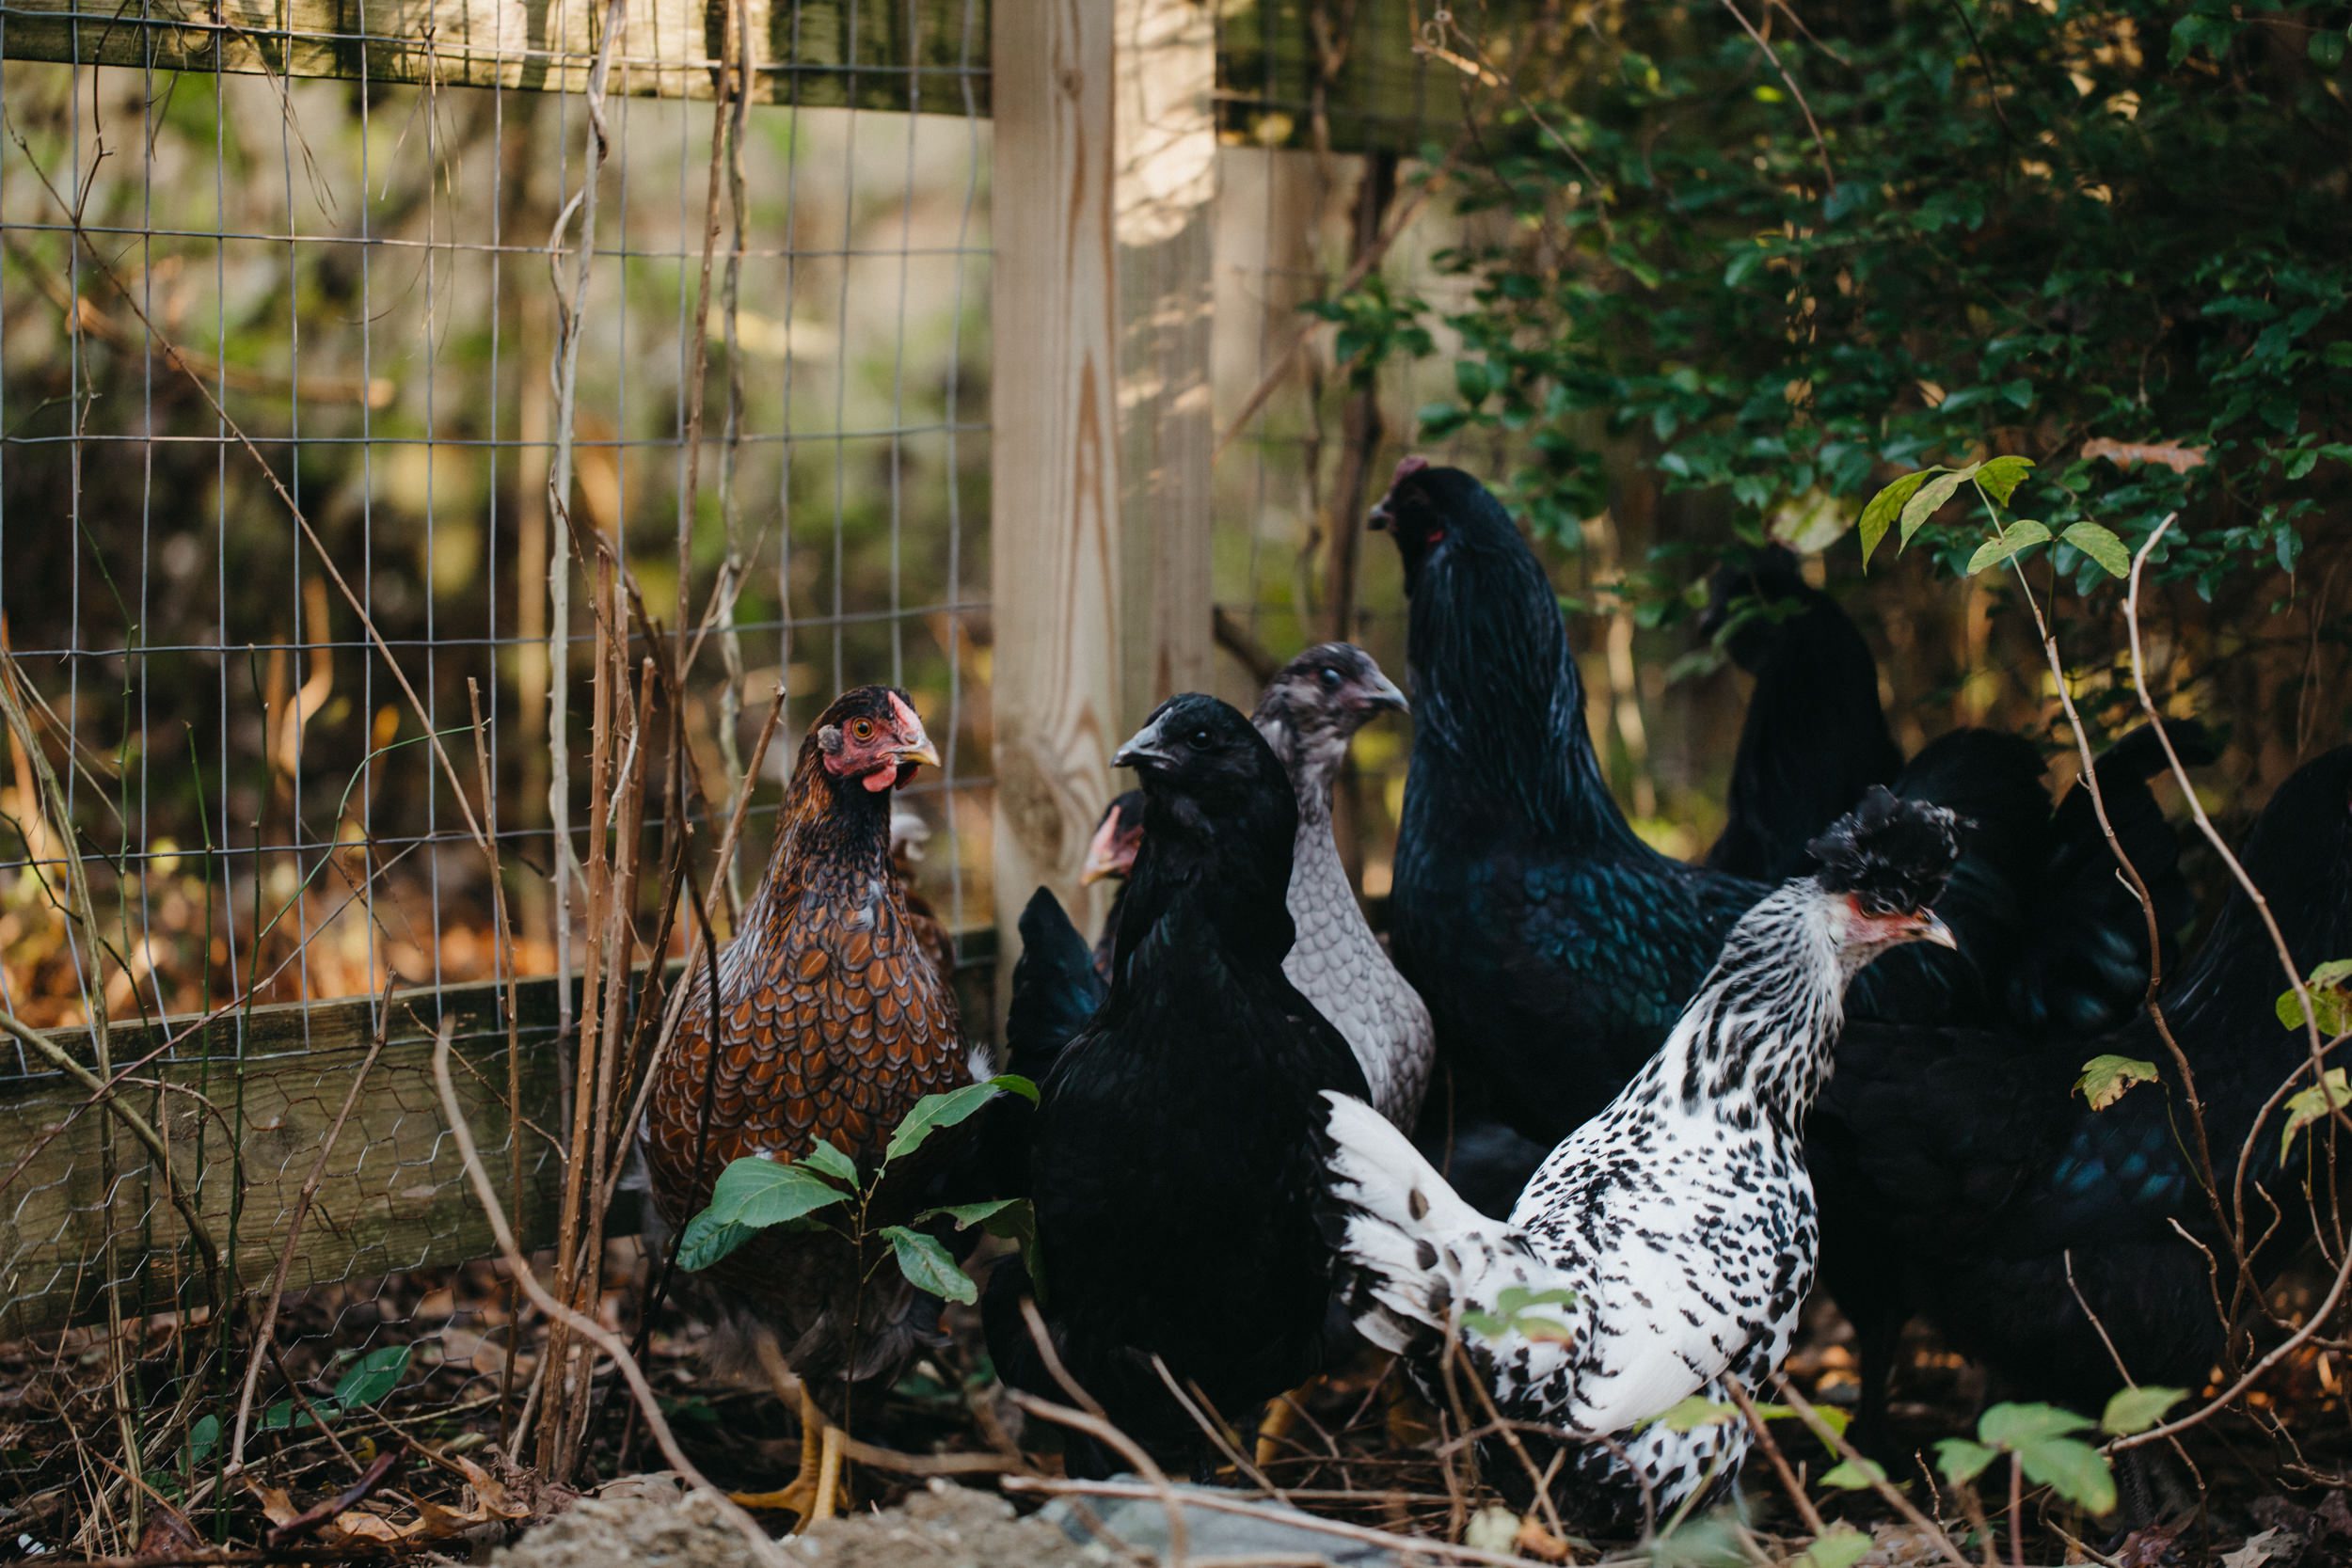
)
(1668, 1243)
(1310, 712)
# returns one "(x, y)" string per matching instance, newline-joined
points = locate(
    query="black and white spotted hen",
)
(1310, 712)
(1669, 1243)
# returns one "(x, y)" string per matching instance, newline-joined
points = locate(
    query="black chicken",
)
(1172, 1160)
(1987, 1174)
(1815, 735)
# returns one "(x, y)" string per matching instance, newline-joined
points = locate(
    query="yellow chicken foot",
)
(1282, 1418)
(815, 1492)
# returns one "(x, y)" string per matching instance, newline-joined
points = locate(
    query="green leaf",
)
(1696, 1412)
(1514, 1299)
(935, 1110)
(929, 1265)
(2105, 1078)
(750, 1195)
(2099, 542)
(2009, 1426)
(1962, 1460)
(372, 1376)
(2072, 1468)
(1931, 496)
(1854, 1475)
(1474, 379)
(2326, 49)
(2138, 1409)
(1841, 1547)
(1885, 507)
(2023, 534)
(2330, 1003)
(966, 1215)
(826, 1160)
(2000, 476)
(203, 1437)
(2306, 1106)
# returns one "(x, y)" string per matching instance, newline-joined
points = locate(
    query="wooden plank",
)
(875, 55)
(1054, 513)
(1163, 201)
(1384, 96)
(393, 1196)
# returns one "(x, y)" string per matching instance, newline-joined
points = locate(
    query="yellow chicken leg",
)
(1280, 1420)
(814, 1492)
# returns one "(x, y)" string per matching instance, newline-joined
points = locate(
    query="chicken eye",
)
(1331, 678)
(861, 730)
(1200, 738)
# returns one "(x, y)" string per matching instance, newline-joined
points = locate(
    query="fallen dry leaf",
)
(2259, 1549)
(1539, 1542)
(2179, 459)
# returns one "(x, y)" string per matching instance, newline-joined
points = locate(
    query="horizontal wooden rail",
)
(393, 1197)
(931, 55)
(827, 53)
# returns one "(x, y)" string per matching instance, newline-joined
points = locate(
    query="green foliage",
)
(2042, 1440)
(1841, 1547)
(2330, 1005)
(2049, 227)
(365, 1381)
(1854, 1475)
(1515, 1312)
(2105, 1078)
(824, 1187)
(2309, 1105)
(2134, 1410)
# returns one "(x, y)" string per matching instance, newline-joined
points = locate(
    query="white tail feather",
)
(1415, 1252)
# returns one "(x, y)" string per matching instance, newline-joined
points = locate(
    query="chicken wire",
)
(358, 274)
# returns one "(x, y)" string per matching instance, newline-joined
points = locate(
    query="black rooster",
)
(1172, 1160)
(1987, 1175)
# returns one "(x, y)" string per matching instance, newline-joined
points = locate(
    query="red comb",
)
(1406, 467)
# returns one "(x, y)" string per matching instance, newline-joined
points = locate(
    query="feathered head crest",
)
(1892, 854)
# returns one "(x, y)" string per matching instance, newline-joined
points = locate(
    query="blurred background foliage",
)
(1676, 276)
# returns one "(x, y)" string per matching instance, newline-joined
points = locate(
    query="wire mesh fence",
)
(277, 427)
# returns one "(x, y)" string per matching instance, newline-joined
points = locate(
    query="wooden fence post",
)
(1165, 199)
(1105, 171)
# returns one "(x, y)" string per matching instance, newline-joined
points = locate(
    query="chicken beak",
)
(1142, 748)
(1382, 692)
(922, 751)
(1928, 926)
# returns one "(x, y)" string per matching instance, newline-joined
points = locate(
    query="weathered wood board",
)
(392, 1195)
(874, 54)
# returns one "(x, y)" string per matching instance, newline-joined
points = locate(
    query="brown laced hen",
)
(833, 1021)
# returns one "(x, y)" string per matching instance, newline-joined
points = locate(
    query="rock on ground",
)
(652, 1524)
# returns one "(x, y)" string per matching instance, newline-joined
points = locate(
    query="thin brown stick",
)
(1879, 1484)
(1781, 1467)
(293, 1231)
(1821, 144)
(461, 1132)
